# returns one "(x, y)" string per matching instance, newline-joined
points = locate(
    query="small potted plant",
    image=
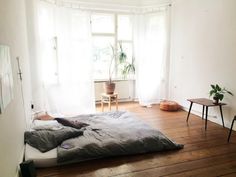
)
(218, 93)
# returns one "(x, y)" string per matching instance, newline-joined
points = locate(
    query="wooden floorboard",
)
(206, 153)
(229, 175)
(182, 167)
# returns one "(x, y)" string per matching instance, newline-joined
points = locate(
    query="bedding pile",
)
(100, 135)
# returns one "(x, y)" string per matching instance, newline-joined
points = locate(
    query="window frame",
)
(116, 41)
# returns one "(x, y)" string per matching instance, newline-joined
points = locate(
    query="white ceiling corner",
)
(136, 3)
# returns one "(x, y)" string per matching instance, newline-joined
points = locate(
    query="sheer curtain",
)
(65, 60)
(150, 47)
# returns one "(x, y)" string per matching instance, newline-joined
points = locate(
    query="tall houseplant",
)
(110, 85)
(218, 93)
(125, 70)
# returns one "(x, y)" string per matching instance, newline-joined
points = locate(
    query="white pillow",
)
(46, 124)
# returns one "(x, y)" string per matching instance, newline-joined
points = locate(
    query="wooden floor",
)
(205, 154)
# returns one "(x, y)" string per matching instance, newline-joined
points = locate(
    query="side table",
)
(205, 103)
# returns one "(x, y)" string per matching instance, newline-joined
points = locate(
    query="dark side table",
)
(205, 103)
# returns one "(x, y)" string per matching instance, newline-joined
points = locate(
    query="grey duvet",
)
(112, 134)
(107, 134)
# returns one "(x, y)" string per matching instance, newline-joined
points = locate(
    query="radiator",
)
(125, 90)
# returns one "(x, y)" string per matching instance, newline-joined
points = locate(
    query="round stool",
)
(166, 105)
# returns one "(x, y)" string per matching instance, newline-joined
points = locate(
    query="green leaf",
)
(230, 93)
(122, 57)
(133, 69)
(220, 96)
(213, 87)
(212, 92)
(218, 87)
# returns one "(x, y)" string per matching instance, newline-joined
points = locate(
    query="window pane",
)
(102, 54)
(124, 27)
(79, 26)
(103, 23)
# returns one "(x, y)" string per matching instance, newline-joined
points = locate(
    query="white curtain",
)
(151, 54)
(65, 60)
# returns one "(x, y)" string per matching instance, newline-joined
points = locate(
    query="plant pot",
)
(215, 100)
(109, 87)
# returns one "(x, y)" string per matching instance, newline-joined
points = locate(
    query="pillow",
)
(49, 125)
(71, 123)
(45, 140)
(45, 117)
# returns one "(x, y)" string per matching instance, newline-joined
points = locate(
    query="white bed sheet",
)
(47, 159)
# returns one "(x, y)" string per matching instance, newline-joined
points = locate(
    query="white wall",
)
(203, 52)
(12, 121)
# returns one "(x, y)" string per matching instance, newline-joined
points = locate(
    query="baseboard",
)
(21, 158)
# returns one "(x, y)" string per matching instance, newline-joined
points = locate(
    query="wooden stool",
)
(109, 98)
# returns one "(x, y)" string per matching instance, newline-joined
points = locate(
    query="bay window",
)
(110, 30)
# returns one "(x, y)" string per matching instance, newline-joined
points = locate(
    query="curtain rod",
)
(108, 7)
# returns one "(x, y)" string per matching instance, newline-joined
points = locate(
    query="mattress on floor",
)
(47, 159)
(107, 134)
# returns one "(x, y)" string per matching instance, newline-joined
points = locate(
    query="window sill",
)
(114, 80)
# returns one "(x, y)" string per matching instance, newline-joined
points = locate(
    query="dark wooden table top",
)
(205, 102)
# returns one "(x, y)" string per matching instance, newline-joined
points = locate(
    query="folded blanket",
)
(45, 140)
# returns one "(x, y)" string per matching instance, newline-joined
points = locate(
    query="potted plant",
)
(126, 69)
(218, 93)
(110, 85)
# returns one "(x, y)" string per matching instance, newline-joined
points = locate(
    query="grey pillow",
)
(71, 123)
(45, 140)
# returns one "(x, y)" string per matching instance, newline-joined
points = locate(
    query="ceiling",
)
(125, 2)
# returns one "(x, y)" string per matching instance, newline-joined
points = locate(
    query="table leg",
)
(109, 103)
(222, 118)
(203, 109)
(191, 103)
(206, 117)
(102, 104)
(117, 103)
(231, 128)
